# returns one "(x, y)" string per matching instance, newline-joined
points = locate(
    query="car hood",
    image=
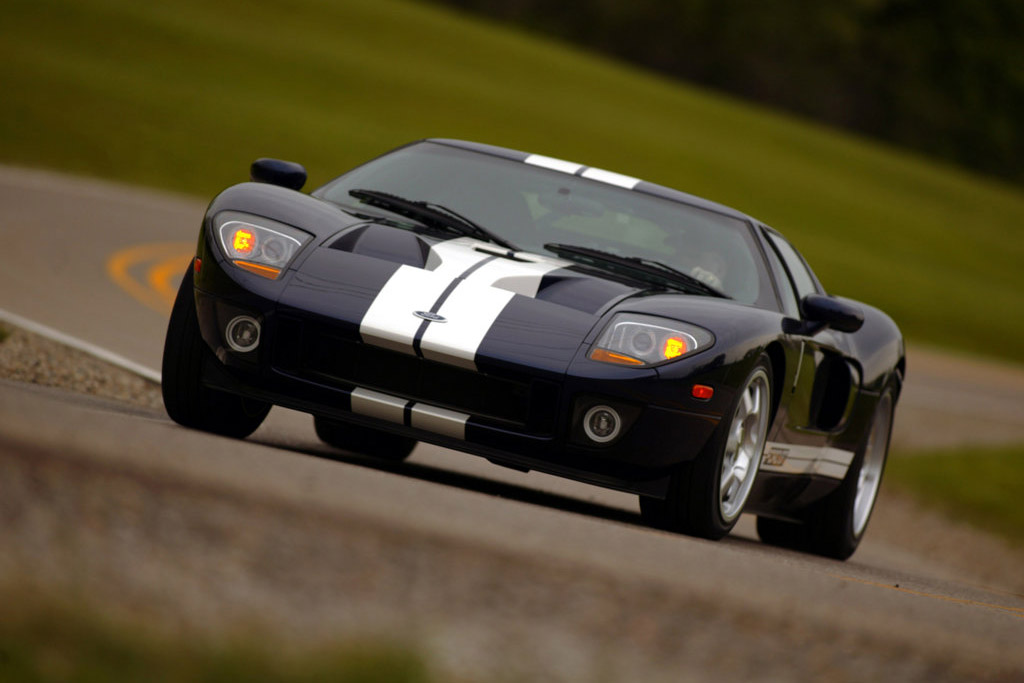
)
(461, 301)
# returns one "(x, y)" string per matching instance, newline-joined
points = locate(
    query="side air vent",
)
(835, 385)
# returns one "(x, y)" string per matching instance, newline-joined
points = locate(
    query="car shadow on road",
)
(500, 489)
(469, 482)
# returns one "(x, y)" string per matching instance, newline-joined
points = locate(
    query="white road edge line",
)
(79, 345)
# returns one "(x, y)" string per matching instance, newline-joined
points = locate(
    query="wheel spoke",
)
(729, 485)
(748, 402)
(735, 437)
(741, 464)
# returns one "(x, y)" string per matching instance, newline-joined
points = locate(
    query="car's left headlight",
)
(256, 244)
(645, 340)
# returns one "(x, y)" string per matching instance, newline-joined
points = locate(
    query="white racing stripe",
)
(521, 277)
(470, 310)
(390, 322)
(454, 257)
(553, 164)
(823, 461)
(601, 175)
(480, 293)
(617, 179)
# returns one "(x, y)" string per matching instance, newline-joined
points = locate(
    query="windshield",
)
(531, 206)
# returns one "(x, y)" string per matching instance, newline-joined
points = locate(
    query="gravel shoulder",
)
(30, 358)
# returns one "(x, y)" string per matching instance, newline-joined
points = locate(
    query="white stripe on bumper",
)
(420, 415)
(439, 420)
(378, 405)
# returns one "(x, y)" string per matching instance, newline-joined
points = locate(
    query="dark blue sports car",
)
(547, 316)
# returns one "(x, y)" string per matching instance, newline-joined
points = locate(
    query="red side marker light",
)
(702, 392)
(197, 265)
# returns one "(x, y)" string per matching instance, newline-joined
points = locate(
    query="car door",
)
(818, 394)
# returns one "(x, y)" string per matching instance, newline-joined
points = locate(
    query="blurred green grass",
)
(981, 486)
(45, 640)
(184, 95)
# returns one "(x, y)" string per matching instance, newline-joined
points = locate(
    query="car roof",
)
(643, 186)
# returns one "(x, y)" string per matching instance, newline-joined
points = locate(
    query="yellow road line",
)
(164, 276)
(1013, 611)
(162, 263)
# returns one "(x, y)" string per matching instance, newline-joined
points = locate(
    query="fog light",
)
(601, 424)
(243, 333)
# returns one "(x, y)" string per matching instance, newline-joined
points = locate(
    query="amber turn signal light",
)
(611, 357)
(268, 272)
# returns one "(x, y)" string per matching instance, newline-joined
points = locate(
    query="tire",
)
(187, 400)
(707, 494)
(363, 440)
(835, 525)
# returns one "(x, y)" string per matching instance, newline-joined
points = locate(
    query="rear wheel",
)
(707, 495)
(187, 400)
(835, 525)
(363, 440)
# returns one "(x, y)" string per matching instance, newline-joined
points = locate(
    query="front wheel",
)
(707, 495)
(187, 400)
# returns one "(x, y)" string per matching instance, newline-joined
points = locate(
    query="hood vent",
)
(385, 243)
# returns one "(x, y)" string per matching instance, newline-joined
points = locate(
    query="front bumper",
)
(512, 415)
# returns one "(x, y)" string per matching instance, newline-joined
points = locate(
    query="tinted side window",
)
(802, 279)
(790, 302)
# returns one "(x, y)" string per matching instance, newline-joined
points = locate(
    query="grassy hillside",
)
(982, 486)
(184, 95)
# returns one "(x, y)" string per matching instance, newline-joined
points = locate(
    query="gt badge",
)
(775, 457)
(430, 317)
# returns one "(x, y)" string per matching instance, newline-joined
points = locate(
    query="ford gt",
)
(545, 315)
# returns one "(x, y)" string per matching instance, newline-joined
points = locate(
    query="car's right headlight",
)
(645, 340)
(258, 245)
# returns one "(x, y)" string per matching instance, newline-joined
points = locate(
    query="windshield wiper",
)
(431, 214)
(649, 269)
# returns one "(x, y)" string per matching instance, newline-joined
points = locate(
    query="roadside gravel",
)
(27, 357)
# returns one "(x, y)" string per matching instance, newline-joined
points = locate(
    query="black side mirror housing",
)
(277, 172)
(835, 313)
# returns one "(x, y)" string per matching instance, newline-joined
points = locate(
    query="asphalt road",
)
(98, 262)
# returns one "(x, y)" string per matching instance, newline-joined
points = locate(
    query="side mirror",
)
(834, 313)
(276, 172)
